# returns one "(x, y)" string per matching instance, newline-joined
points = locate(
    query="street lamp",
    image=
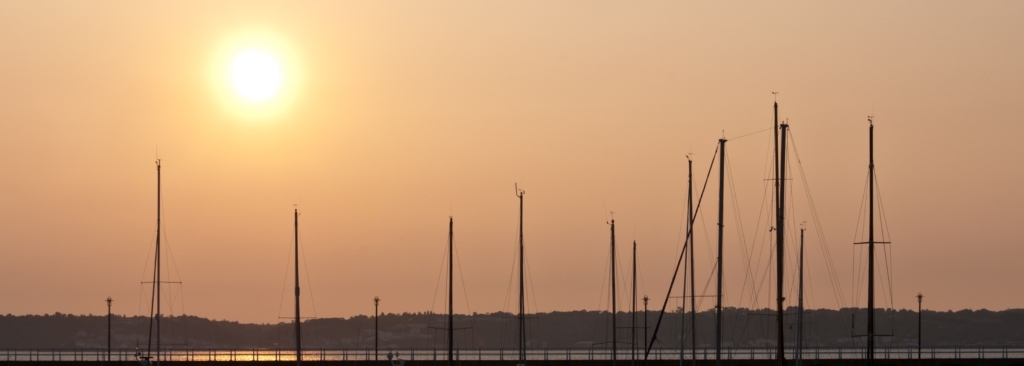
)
(109, 300)
(919, 297)
(376, 303)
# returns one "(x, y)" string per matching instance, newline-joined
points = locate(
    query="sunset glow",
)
(256, 75)
(383, 120)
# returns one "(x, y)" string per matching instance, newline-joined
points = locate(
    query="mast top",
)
(871, 120)
(519, 192)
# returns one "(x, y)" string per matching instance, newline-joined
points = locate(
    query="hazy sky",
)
(395, 115)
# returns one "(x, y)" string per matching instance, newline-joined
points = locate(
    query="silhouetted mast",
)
(451, 316)
(376, 337)
(156, 280)
(158, 277)
(800, 306)
(689, 238)
(780, 244)
(522, 286)
(721, 226)
(632, 333)
(871, 241)
(614, 323)
(298, 319)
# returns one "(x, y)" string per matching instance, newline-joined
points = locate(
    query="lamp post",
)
(919, 297)
(376, 303)
(645, 322)
(109, 300)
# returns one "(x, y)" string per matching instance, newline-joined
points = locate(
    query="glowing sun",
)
(256, 75)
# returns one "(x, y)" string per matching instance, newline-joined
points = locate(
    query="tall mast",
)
(693, 297)
(632, 333)
(614, 323)
(871, 241)
(800, 306)
(451, 318)
(376, 338)
(157, 267)
(721, 226)
(780, 245)
(298, 319)
(155, 297)
(522, 286)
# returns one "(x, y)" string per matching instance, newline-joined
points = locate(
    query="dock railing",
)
(499, 354)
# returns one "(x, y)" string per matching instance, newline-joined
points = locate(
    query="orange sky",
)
(401, 114)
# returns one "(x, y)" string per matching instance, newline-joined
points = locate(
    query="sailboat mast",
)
(451, 319)
(780, 245)
(871, 241)
(298, 319)
(157, 267)
(614, 323)
(721, 226)
(693, 297)
(522, 286)
(800, 306)
(632, 333)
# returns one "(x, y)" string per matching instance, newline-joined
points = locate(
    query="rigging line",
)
(792, 244)
(707, 285)
(507, 306)
(654, 334)
(885, 237)
(512, 272)
(749, 134)
(173, 263)
(822, 242)
(707, 239)
(462, 277)
(600, 299)
(465, 294)
(765, 201)
(640, 275)
(743, 244)
(305, 266)
(437, 284)
(885, 248)
(168, 262)
(531, 289)
(145, 267)
(152, 304)
(284, 281)
(826, 253)
(856, 280)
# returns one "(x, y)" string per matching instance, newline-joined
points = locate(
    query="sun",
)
(256, 75)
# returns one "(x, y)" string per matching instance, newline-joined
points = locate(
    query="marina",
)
(659, 356)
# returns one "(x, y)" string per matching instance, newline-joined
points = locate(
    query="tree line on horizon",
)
(554, 330)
